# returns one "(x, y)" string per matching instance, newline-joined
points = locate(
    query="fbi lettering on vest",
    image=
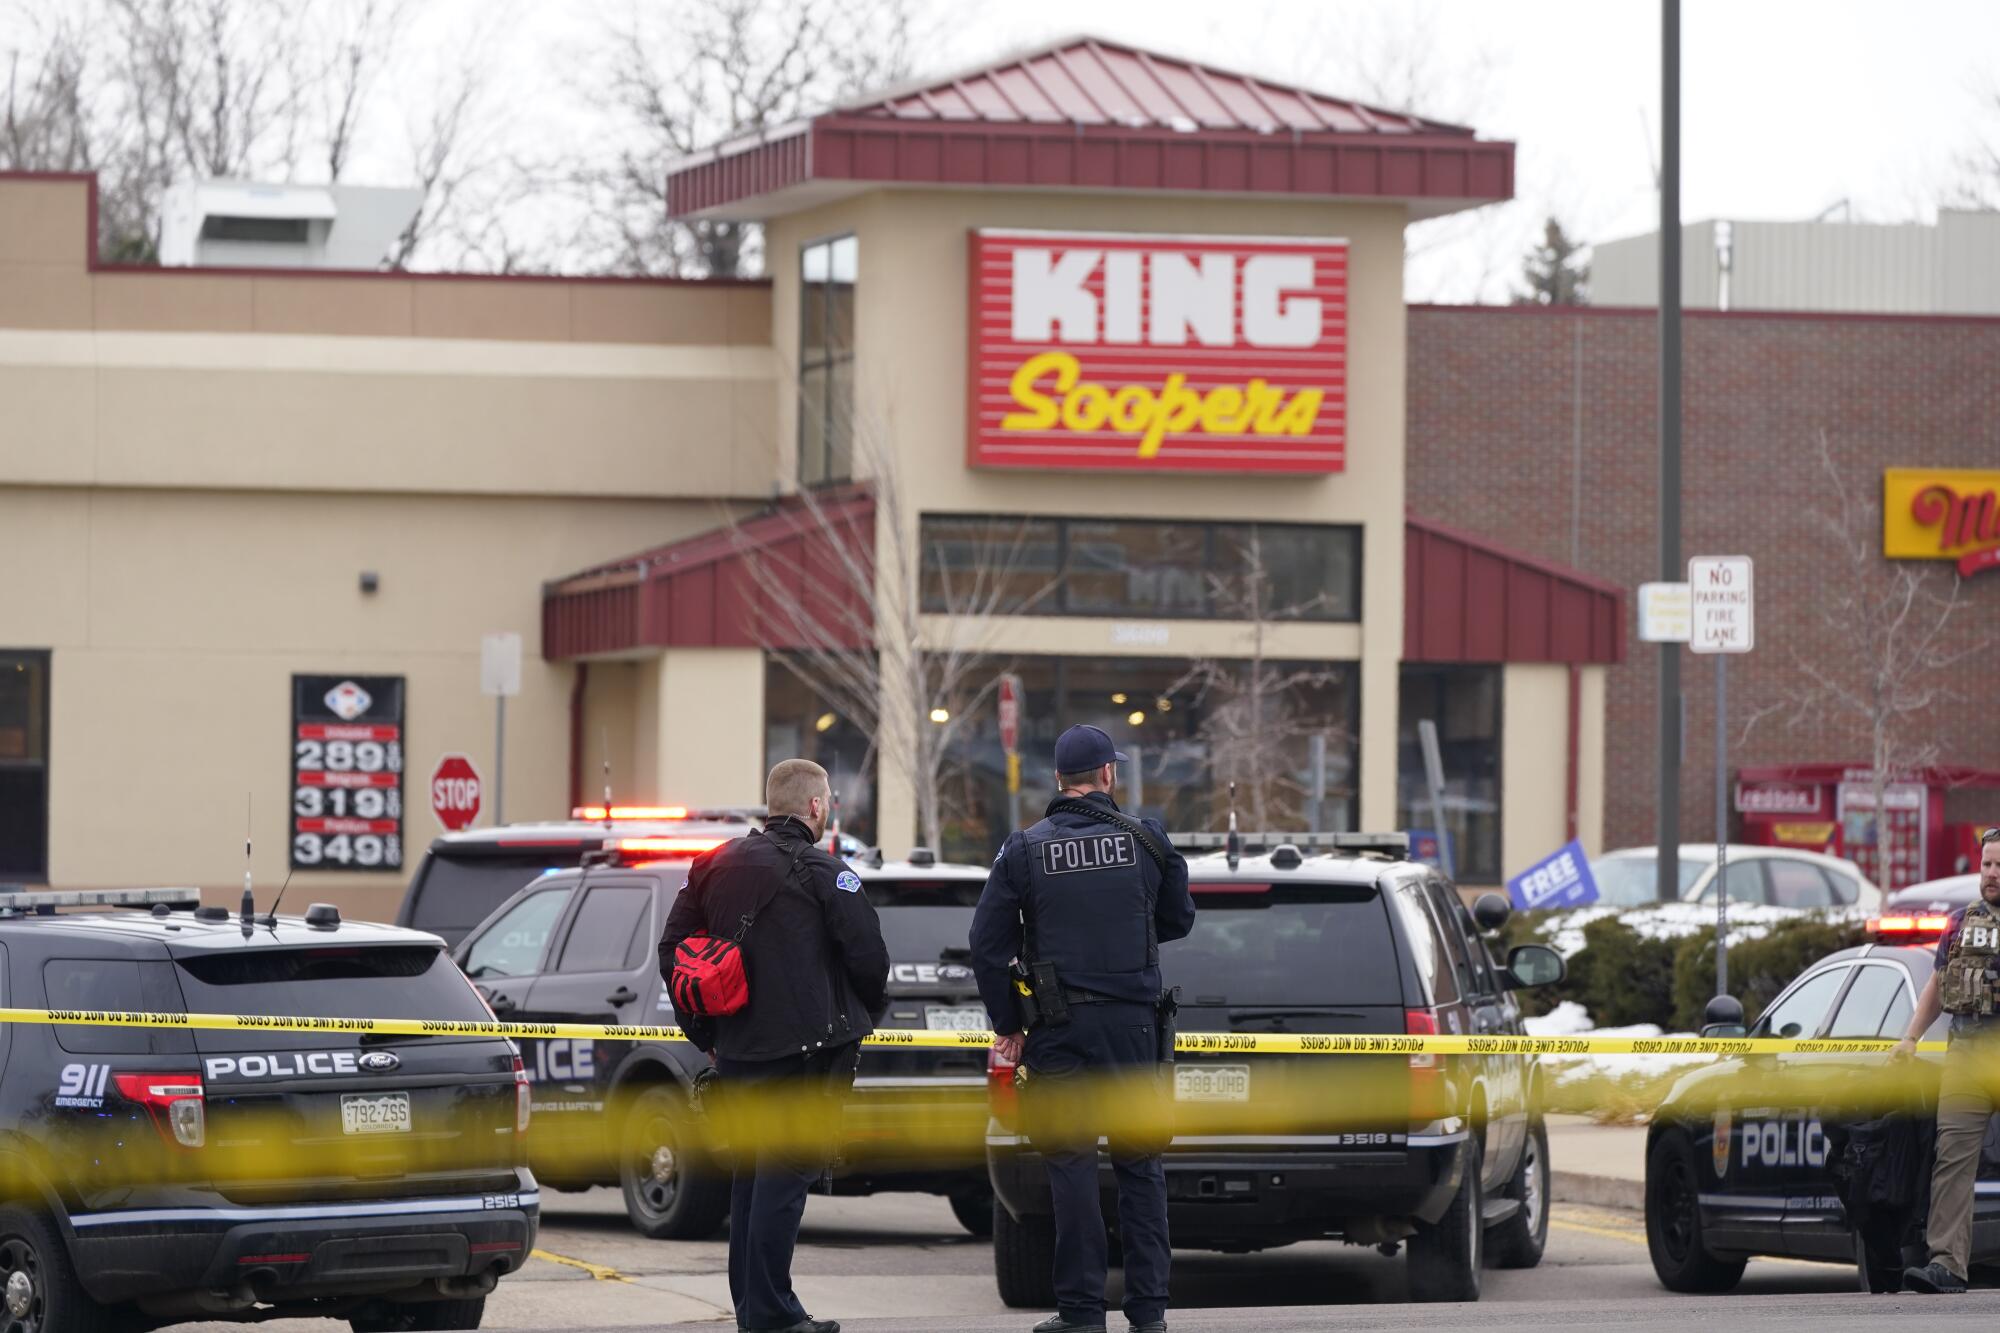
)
(1158, 353)
(1100, 851)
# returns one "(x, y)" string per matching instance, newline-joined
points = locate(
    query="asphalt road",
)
(900, 1264)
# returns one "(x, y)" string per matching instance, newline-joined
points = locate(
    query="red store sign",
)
(1157, 353)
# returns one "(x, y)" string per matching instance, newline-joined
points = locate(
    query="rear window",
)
(457, 894)
(923, 918)
(1290, 946)
(383, 981)
(1632, 881)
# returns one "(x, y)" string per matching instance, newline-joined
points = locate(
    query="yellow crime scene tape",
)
(1194, 1043)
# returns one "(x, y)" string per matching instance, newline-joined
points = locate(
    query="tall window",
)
(1157, 569)
(800, 723)
(24, 766)
(826, 360)
(1464, 702)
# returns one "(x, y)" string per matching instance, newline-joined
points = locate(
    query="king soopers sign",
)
(1158, 353)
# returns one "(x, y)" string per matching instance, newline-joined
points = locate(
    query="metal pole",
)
(1722, 823)
(1668, 828)
(499, 760)
(1316, 747)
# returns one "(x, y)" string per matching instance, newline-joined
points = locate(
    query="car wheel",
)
(1024, 1259)
(39, 1291)
(1445, 1255)
(423, 1317)
(668, 1194)
(1673, 1222)
(974, 1210)
(1519, 1241)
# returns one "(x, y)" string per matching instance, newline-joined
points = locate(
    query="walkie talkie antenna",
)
(1235, 843)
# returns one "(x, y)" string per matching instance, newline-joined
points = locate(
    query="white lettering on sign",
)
(1186, 298)
(1793, 1141)
(1722, 599)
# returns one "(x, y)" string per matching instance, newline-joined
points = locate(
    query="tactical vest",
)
(1964, 986)
(1089, 901)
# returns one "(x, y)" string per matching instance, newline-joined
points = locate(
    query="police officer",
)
(819, 975)
(1081, 893)
(1963, 986)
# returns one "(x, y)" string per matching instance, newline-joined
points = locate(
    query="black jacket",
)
(819, 971)
(997, 931)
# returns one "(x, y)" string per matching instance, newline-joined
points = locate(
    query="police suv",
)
(1446, 1157)
(155, 1175)
(581, 945)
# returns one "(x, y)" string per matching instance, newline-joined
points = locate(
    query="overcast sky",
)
(1789, 106)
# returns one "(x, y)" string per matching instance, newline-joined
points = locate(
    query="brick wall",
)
(1498, 397)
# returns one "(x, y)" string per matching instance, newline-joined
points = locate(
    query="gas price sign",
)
(347, 773)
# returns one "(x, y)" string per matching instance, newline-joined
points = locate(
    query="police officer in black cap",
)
(1081, 901)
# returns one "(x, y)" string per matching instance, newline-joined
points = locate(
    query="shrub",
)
(1758, 969)
(1621, 976)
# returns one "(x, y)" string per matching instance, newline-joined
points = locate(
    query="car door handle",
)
(623, 995)
(500, 1004)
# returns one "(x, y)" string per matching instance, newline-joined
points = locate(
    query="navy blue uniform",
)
(1085, 896)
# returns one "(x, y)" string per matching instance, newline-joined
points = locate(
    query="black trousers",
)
(786, 1111)
(1070, 1064)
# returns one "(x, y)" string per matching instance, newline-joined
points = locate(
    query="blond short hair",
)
(792, 785)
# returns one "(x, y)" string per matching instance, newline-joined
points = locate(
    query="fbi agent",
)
(1081, 900)
(1964, 986)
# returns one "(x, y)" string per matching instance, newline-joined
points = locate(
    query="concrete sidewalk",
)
(1598, 1164)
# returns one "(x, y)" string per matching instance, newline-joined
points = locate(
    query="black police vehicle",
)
(160, 1175)
(1446, 1156)
(581, 946)
(1729, 1175)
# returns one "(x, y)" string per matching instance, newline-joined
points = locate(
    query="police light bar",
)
(598, 813)
(1909, 926)
(663, 846)
(1390, 844)
(50, 899)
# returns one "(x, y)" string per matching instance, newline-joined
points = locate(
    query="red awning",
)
(706, 591)
(1468, 599)
(1089, 114)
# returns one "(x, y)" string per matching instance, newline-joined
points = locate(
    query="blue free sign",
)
(1560, 880)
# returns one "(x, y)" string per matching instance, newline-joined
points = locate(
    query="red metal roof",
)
(1092, 114)
(705, 592)
(1468, 599)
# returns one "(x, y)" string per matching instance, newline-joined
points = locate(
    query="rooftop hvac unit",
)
(238, 224)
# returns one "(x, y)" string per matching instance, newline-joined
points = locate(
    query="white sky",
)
(1789, 106)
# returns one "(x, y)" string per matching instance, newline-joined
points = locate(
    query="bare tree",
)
(1258, 720)
(674, 83)
(1889, 692)
(849, 608)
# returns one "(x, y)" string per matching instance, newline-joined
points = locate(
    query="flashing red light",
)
(1909, 925)
(666, 846)
(597, 813)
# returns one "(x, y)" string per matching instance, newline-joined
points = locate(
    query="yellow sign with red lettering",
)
(1942, 514)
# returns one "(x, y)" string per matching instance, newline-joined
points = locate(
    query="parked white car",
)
(1768, 876)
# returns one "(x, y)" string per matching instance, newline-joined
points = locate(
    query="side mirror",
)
(1724, 1018)
(1531, 965)
(1490, 911)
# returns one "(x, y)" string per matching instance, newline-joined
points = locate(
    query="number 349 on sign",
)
(374, 851)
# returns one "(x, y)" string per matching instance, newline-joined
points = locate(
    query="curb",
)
(1603, 1191)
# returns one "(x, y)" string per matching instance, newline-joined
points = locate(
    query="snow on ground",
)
(1670, 921)
(1570, 1019)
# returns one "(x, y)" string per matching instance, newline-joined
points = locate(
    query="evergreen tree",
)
(1557, 271)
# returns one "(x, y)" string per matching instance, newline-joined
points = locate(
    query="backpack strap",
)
(745, 922)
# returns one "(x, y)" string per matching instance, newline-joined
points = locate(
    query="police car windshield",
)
(1291, 946)
(377, 981)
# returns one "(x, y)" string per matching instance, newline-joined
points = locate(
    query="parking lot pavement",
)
(899, 1263)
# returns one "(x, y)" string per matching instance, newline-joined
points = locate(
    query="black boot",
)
(1055, 1323)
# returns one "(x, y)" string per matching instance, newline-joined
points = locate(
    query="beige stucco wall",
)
(911, 345)
(1534, 763)
(711, 736)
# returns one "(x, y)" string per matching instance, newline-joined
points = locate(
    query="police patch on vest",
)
(1099, 851)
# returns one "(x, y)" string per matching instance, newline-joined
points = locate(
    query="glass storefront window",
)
(800, 724)
(1159, 569)
(24, 766)
(973, 562)
(1464, 702)
(827, 271)
(1299, 765)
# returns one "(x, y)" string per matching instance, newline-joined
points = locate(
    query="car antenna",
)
(1235, 843)
(607, 777)
(249, 898)
(271, 917)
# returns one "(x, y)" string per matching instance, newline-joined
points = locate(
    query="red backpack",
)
(710, 978)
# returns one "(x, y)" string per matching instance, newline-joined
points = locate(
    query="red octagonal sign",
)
(455, 791)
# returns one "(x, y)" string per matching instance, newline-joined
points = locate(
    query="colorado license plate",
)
(1212, 1083)
(955, 1017)
(377, 1113)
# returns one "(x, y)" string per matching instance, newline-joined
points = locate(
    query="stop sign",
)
(1010, 712)
(455, 792)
